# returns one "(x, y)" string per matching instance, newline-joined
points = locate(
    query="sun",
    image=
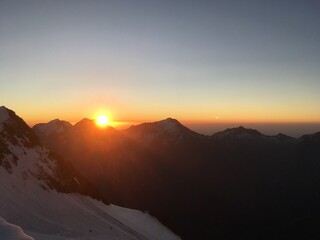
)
(102, 121)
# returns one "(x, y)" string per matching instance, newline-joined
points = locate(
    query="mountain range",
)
(237, 183)
(60, 181)
(44, 197)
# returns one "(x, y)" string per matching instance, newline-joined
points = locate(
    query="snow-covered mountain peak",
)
(169, 125)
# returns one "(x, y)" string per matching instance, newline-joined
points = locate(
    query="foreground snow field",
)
(47, 212)
(52, 215)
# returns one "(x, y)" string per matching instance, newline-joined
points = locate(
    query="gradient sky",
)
(251, 61)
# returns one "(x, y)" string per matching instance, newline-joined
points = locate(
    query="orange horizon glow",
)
(183, 119)
(119, 118)
(201, 122)
(120, 114)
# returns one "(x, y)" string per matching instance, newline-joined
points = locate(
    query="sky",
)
(203, 62)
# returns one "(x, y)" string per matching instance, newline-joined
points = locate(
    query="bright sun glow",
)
(102, 120)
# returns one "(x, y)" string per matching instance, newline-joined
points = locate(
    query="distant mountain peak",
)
(241, 131)
(169, 124)
(167, 131)
(283, 136)
(169, 119)
(56, 121)
(237, 133)
(85, 122)
(52, 127)
(59, 122)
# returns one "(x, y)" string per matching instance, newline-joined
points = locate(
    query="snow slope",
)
(9, 232)
(44, 214)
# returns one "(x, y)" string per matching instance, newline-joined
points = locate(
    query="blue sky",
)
(198, 61)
